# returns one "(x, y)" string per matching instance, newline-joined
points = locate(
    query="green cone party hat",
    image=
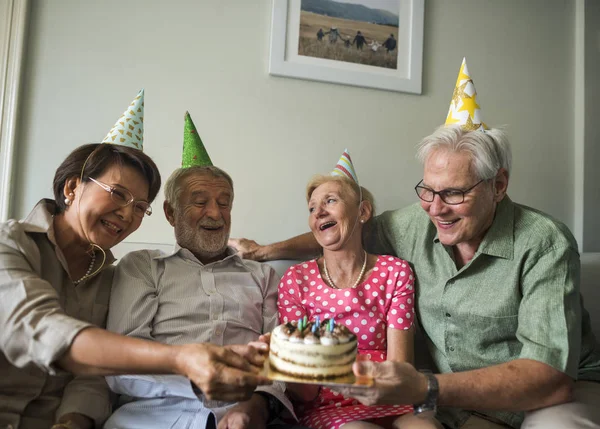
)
(194, 152)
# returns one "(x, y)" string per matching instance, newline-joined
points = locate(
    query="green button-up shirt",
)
(518, 298)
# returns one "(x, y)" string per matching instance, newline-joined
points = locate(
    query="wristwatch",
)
(433, 391)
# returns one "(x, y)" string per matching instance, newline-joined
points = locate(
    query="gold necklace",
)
(362, 272)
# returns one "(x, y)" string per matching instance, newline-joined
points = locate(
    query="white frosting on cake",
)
(314, 355)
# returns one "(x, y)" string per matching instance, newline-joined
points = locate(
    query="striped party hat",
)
(129, 129)
(194, 152)
(344, 167)
(464, 110)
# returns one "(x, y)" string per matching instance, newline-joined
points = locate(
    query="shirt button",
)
(451, 349)
(448, 315)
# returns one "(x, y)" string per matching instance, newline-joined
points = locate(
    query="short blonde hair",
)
(349, 188)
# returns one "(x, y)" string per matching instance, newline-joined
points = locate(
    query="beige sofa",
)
(590, 288)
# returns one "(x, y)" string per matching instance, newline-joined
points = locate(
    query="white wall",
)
(591, 197)
(4, 35)
(87, 59)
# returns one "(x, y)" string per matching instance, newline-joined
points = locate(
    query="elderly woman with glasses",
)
(55, 281)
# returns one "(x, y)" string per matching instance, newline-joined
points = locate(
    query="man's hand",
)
(247, 249)
(221, 373)
(254, 352)
(262, 344)
(247, 415)
(396, 383)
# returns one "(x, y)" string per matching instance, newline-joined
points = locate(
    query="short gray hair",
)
(174, 188)
(489, 149)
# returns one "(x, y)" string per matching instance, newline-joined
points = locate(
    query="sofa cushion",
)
(590, 288)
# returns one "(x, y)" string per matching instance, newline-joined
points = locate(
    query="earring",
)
(362, 221)
(68, 201)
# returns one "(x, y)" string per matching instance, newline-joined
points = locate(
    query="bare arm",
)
(301, 247)
(519, 385)
(227, 373)
(98, 352)
(400, 345)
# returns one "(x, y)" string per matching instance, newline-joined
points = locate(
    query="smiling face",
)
(202, 219)
(462, 224)
(95, 216)
(333, 215)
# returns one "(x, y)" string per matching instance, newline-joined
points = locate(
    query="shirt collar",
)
(186, 254)
(499, 239)
(41, 220)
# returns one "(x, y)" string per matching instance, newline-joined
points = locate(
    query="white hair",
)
(174, 185)
(489, 149)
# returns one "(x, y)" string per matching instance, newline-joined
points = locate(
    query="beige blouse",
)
(41, 312)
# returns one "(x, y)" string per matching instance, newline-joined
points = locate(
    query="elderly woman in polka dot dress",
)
(372, 295)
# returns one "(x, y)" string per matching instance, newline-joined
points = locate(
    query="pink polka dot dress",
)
(384, 300)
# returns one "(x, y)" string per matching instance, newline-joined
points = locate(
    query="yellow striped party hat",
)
(344, 167)
(129, 129)
(464, 110)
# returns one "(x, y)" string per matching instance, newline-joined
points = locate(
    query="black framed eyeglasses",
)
(122, 197)
(449, 196)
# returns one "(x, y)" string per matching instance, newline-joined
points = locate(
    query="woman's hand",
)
(221, 373)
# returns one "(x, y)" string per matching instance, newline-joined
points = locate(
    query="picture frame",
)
(288, 55)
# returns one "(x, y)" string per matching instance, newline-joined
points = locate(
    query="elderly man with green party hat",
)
(497, 290)
(201, 292)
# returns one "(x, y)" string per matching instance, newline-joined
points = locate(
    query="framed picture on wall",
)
(370, 43)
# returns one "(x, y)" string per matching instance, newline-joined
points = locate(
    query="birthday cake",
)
(312, 350)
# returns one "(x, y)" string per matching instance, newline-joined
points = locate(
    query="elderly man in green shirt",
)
(497, 293)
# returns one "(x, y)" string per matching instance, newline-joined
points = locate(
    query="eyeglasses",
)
(122, 197)
(449, 196)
